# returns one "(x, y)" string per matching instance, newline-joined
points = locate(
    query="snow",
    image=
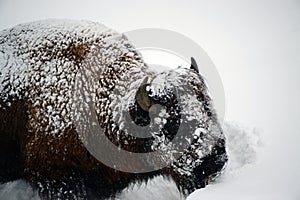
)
(158, 188)
(17, 190)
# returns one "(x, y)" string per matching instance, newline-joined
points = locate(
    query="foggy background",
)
(255, 45)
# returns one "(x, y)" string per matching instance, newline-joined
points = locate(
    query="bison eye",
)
(146, 105)
(162, 109)
(139, 112)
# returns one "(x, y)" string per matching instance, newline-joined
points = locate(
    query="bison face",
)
(175, 110)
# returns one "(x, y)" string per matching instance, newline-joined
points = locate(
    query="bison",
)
(50, 69)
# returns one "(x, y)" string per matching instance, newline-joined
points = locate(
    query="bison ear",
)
(194, 65)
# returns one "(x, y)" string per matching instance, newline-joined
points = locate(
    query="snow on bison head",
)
(66, 86)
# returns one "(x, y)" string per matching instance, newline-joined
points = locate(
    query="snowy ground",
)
(244, 146)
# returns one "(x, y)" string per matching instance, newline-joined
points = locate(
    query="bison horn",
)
(194, 65)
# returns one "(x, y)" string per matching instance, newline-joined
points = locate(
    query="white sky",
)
(255, 46)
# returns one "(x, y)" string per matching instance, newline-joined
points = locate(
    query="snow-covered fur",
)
(40, 64)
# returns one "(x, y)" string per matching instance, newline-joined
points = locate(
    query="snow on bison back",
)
(39, 141)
